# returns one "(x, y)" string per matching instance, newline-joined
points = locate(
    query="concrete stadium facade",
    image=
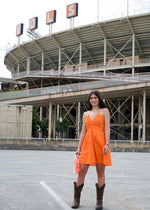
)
(61, 69)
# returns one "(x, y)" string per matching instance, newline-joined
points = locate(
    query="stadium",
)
(61, 69)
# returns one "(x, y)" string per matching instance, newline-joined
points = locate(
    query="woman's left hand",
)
(105, 149)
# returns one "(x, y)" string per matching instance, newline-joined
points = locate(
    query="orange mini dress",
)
(94, 142)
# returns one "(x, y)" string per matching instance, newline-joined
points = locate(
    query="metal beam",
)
(104, 36)
(133, 32)
(28, 55)
(85, 48)
(59, 46)
(43, 52)
(118, 51)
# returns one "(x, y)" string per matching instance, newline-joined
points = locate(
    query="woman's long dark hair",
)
(101, 103)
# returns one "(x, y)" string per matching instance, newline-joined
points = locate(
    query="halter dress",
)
(94, 142)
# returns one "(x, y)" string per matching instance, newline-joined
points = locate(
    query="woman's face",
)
(94, 100)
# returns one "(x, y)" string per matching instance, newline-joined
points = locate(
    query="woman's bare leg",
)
(100, 168)
(82, 174)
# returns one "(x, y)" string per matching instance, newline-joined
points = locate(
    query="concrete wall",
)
(15, 121)
(68, 145)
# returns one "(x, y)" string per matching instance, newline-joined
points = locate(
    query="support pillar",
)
(54, 122)
(41, 109)
(139, 119)
(80, 58)
(18, 68)
(144, 116)
(28, 65)
(105, 56)
(133, 53)
(78, 120)
(132, 118)
(50, 120)
(59, 64)
(42, 63)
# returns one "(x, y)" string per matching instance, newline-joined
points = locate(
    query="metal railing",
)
(73, 87)
(86, 71)
(71, 74)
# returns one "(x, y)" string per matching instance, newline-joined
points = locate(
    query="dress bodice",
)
(98, 121)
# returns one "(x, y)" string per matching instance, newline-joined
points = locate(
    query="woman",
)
(93, 147)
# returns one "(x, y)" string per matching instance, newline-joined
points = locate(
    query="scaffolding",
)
(61, 69)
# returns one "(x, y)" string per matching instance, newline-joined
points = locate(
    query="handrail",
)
(85, 70)
(71, 74)
(73, 87)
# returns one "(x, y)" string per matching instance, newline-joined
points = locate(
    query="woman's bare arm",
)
(107, 125)
(107, 129)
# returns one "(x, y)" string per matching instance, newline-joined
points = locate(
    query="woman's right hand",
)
(78, 152)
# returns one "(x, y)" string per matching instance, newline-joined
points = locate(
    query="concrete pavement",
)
(43, 180)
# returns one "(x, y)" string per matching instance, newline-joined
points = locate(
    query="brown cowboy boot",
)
(100, 191)
(77, 193)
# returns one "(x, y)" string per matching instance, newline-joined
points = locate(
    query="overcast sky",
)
(16, 11)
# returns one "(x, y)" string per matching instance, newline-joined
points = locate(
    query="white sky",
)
(13, 12)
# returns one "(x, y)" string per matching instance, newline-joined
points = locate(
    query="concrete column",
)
(27, 85)
(133, 53)
(41, 83)
(42, 63)
(41, 106)
(132, 119)
(80, 58)
(139, 118)
(24, 122)
(28, 65)
(18, 68)
(50, 121)
(144, 116)
(57, 111)
(78, 120)
(58, 107)
(54, 122)
(59, 64)
(105, 45)
(41, 109)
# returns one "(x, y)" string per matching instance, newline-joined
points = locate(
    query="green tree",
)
(62, 126)
(40, 126)
(44, 127)
(35, 122)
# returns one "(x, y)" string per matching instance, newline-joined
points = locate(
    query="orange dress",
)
(94, 142)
